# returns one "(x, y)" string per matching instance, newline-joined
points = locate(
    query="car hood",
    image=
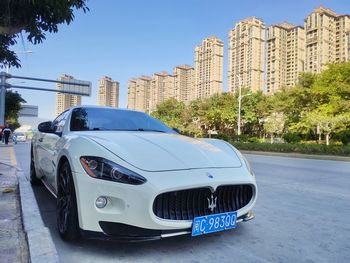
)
(155, 151)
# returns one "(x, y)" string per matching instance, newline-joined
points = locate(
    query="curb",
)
(300, 155)
(40, 244)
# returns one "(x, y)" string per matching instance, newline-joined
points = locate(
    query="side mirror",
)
(176, 130)
(45, 127)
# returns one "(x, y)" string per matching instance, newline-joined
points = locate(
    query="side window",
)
(58, 123)
(80, 120)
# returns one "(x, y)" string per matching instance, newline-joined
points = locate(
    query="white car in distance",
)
(20, 137)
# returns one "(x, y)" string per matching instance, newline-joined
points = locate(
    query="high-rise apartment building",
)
(342, 38)
(132, 94)
(246, 55)
(108, 92)
(348, 41)
(184, 83)
(142, 93)
(145, 93)
(285, 56)
(162, 89)
(209, 67)
(64, 101)
(326, 39)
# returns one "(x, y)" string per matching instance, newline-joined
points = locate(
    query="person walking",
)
(6, 133)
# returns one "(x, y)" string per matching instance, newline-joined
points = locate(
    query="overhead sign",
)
(81, 87)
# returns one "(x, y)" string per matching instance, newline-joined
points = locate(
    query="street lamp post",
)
(4, 85)
(239, 105)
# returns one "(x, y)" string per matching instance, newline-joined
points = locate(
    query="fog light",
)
(101, 202)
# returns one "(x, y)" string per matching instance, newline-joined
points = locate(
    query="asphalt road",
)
(302, 215)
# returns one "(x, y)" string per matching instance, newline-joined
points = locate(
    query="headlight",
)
(101, 168)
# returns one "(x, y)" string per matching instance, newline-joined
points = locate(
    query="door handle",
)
(40, 139)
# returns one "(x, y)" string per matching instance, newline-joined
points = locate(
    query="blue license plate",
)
(213, 223)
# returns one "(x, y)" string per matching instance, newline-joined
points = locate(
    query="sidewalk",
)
(23, 235)
(13, 244)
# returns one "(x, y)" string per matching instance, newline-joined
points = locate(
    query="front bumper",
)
(132, 205)
(123, 232)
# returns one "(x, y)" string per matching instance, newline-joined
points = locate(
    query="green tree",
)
(294, 102)
(177, 115)
(218, 112)
(12, 107)
(318, 104)
(329, 110)
(274, 124)
(333, 87)
(307, 79)
(325, 121)
(35, 18)
(171, 112)
(254, 109)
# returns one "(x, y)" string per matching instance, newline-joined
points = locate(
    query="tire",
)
(34, 181)
(66, 207)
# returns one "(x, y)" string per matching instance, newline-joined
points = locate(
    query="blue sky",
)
(125, 39)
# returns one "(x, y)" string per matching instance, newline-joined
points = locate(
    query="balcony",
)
(311, 40)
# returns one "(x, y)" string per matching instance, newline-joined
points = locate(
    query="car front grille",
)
(187, 204)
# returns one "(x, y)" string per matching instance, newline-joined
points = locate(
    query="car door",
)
(50, 145)
(39, 150)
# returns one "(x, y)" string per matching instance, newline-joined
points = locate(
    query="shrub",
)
(291, 137)
(222, 136)
(253, 139)
(343, 136)
(240, 138)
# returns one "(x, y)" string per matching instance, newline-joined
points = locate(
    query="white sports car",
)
(121, 174)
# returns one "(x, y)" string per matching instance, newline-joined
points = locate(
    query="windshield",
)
(90, 119)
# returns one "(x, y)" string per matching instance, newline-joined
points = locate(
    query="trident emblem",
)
(212, 203)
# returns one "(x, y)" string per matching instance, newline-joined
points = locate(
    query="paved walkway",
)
(13, 244)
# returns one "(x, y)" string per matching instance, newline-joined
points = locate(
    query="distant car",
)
(121, 174)
(20, 137)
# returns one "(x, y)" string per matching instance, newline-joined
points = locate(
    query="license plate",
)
(213, 223)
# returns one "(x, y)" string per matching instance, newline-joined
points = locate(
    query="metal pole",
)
(51, 90)
(86, 84)
(4, 85)
(239, 111)
(2, 97)
(239, 105)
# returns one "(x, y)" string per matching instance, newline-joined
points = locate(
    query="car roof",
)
(101, 107)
